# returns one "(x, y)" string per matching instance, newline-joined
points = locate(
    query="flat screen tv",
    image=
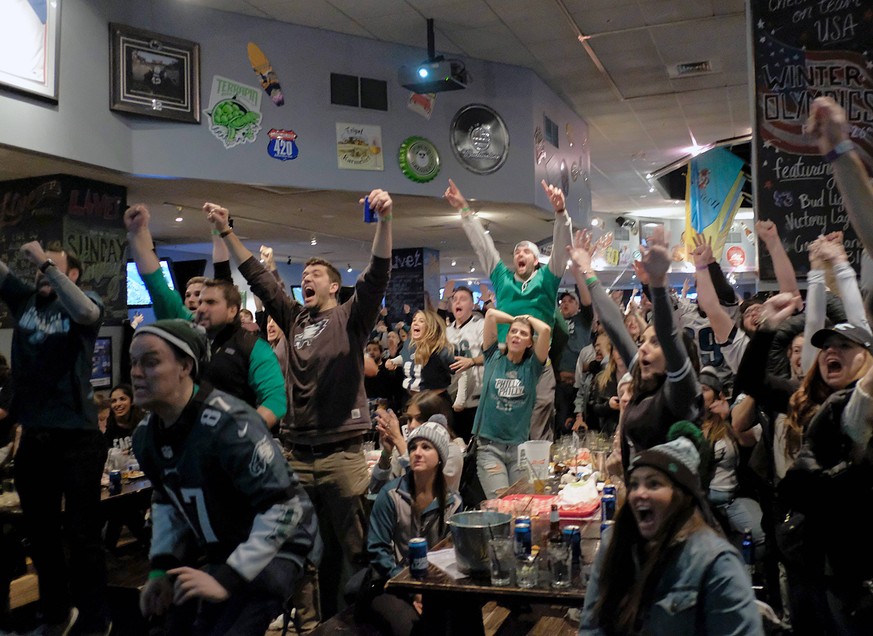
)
(137, 294)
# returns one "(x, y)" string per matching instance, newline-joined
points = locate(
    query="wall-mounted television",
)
(137, 294)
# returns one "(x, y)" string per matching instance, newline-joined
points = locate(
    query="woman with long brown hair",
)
(665, 568)
(665, 387)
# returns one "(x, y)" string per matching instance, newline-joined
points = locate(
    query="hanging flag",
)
(714, 192)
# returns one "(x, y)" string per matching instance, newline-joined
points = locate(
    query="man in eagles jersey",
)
(465, 333)
(224, 497)
(526, 289)
(329, 404)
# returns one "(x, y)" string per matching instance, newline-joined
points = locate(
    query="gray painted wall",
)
(82, 128)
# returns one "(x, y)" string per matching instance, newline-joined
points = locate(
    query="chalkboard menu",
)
(804, 49)
(85, 216)
(414, 271)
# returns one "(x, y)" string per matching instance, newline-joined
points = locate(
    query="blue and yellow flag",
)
(714, 192)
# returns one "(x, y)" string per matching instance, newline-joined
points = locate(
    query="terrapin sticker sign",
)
(234, 112)
(358, 147)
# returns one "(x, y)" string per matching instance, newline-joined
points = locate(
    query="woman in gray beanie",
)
(417, 504)
(670, 569)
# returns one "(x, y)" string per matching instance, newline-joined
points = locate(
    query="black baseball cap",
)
(847, 330)
(567, 293)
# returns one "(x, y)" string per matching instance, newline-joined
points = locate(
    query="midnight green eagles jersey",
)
(221, 479)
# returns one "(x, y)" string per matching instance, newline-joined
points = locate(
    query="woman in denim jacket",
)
(670, 569)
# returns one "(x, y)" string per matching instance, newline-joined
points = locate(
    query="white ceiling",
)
(618, 80)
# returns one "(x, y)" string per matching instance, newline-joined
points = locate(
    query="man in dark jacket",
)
(222, 491)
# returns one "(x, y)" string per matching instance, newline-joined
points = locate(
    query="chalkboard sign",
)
(414, 271)
(85, 216)
(804, 49)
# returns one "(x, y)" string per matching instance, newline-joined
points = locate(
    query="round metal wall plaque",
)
(480, 139)
(419, 159)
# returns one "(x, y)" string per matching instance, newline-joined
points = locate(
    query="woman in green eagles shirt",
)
(508, 395)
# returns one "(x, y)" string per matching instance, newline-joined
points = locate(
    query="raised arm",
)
(220, 258)
(782, 266)
(220, 219)
(139, 239)
(752, 378)
(482, 243)
(541, 329)
(489, 330)
(827, 124)
(544, 337)
(381, 202)
(562, 232)
(166, 302)
(82, 310)
(834, 251)
(280, 307)
(707, 299)
(609, 313)
(681, 386)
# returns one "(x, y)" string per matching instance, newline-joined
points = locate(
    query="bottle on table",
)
(555, 536)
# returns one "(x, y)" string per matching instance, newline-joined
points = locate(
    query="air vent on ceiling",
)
(686, 69)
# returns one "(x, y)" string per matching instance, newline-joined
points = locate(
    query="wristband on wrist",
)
(156, 574)
(386, 217)
(591, 280)
(839, 150)
(46, 264)
(216, 233)
(226, 232)
(700, 268)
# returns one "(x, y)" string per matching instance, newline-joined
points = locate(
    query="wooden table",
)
(454, 606)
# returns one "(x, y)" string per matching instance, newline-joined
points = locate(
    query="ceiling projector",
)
(433, 76)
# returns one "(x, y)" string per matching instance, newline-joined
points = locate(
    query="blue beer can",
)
(418, 558)
(607, 504)
(523, 540)
(115, 482)
(573, 537)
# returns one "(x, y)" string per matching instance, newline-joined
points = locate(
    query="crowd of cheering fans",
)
(731, 419)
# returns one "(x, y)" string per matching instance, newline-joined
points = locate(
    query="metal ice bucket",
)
(470, 533)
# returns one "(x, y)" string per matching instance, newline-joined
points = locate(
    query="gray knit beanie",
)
(435, 431)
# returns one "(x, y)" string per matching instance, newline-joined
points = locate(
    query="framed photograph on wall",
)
(154, 75)
(30, 36)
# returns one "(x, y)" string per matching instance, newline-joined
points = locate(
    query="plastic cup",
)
(534, 456)
(502, 553)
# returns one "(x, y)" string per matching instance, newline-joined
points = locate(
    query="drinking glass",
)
(526, 571)
(560, 556)
(502, 552)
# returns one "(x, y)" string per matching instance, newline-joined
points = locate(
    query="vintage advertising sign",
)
(358, 147)
(234, 112)
(804, 49)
